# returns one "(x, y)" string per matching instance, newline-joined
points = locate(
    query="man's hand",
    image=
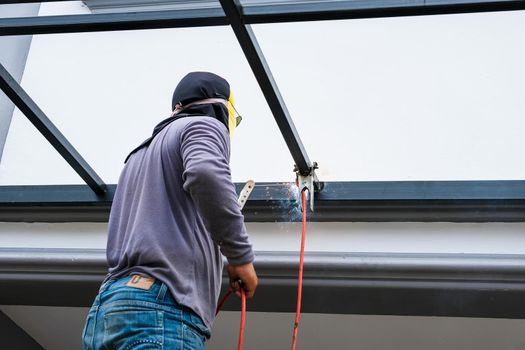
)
(246, 274)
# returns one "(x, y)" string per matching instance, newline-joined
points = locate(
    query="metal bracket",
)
(309, 182)
(245, 193)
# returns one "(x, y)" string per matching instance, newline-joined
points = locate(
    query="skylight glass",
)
(413, 98)
(408, 98)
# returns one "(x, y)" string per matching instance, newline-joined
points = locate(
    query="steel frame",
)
(255, 57)
(240, 17)
(112, 22)
(36, 116)
(423, 201)
(251, 14)
(16, 336)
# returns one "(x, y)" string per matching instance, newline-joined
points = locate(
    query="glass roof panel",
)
(419, 98)
(106, 92)
(410, 98)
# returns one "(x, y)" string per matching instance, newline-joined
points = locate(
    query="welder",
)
(174, 215)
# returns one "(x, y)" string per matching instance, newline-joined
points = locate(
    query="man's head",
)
(198, 89)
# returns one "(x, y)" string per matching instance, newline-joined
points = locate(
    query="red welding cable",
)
(243, 314)
(300, 282)
(299, 288)
(223, 300)
(243, 319)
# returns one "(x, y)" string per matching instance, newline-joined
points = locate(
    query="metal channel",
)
(252, 14)
(460, 285)
(375, 201)
(112, 22)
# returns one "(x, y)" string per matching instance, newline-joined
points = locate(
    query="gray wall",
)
(15, 336)
(13, 55)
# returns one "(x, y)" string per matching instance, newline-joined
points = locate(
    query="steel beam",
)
(252, 14)
(401, 201)
(263, 74)
(351, 9)
(5, 2)
(112, 22)
(14, 337)
(38, 118)
(462, 285)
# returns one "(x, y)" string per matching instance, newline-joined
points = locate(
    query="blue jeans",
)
(127, 318)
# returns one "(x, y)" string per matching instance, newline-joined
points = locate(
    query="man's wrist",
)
(243, 259)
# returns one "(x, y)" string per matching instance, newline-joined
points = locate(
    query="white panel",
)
(393, 237)
(494, 238)
(44, 235)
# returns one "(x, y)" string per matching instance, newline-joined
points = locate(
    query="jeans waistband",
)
(115, 289)
(158, 287)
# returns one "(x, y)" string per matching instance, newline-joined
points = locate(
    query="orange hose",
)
(243, 319)
(223, 300)
(243, 314)
(299, 288)
(300, 282)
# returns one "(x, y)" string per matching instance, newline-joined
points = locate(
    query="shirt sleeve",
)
(207, 178)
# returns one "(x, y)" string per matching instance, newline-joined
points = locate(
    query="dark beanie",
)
(198, 86)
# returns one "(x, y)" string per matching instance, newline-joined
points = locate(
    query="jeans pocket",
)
(133, 329)
(88, 332)
(192, 339)
(198, 324)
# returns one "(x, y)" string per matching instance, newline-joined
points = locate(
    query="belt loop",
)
(105, 285)
(162, 292)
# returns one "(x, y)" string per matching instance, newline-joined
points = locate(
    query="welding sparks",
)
(293, 205)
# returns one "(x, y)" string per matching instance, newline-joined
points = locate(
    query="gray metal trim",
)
(252, 14)
(111, 22)
(376, 201)
(15, 337)
(74, 263)
(465, 285)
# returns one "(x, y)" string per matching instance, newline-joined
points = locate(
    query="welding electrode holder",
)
(238, 283)
(309, 182)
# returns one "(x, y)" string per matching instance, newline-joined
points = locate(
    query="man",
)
(174, 212)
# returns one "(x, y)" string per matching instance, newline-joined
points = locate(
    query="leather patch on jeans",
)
(140, 282)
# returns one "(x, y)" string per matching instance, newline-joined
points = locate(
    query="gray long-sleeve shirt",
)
(175, 210)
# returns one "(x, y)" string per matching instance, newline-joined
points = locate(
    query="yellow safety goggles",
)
(234, 118)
